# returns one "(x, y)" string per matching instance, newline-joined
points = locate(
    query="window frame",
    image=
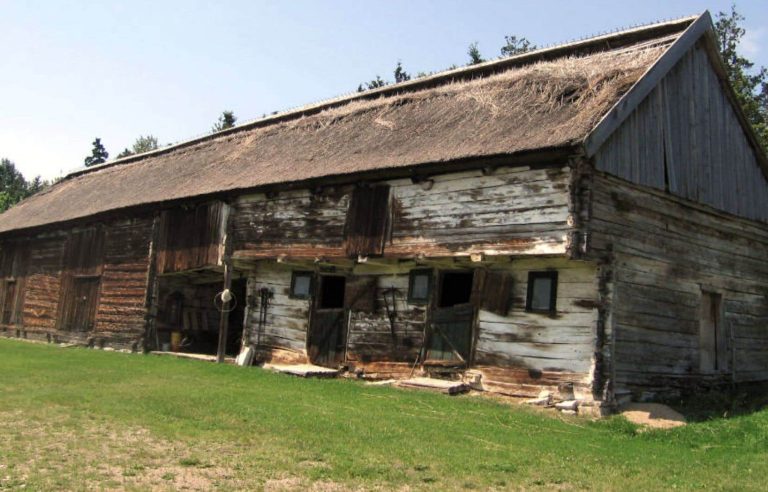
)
(430, 285)
(542, 274)
(301, 273)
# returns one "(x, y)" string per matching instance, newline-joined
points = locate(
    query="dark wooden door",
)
(451, 333)
(81, 312)
(328, 337)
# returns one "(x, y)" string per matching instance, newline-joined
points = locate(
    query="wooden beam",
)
(645, 84)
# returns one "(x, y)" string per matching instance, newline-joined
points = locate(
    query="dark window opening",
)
(332, 292)
(455, 289)
(542, 292)
(9, 302)
(419, 286)
(301, 285)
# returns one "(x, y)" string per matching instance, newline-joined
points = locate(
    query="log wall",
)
(512, 210)
(122, 272)
(665, 253)
(519, 353)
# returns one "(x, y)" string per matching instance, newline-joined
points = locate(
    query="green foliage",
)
(516, 46)
(13, 186)
(373, 84)
(99, 154)
(226, 120)
(141, 145)
(400, 74)
(474, 54)
(749, 83)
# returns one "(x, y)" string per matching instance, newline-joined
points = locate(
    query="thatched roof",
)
(547, 99)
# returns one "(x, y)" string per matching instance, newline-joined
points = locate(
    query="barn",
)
(589, 219)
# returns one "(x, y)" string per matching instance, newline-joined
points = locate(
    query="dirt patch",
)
(653, 415)
(58, 452)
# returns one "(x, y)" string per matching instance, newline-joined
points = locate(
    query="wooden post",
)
(224, 319)
(225, 259)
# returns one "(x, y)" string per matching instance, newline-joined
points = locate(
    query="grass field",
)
(85, 419)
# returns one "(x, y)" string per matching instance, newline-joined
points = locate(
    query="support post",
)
(224, 319)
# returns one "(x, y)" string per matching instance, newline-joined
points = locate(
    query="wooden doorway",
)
(79, 309)
(328, 325)
(452, 319)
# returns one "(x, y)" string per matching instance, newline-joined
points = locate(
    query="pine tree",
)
(400, 74)
(13, 186)
(98, 155)
(474, 54)
(226, 120)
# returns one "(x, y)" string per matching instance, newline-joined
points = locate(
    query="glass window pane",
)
(301, 286)
(542, 291)
(420, 287)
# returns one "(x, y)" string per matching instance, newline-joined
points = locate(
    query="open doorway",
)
(327, 330)
(189, 315)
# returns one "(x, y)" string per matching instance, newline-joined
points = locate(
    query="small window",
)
(456, 288)
(419, 286)
(542, 292)
(332, 292)
(301, 285)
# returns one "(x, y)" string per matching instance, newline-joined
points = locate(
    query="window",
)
(301, 285)
(455, 288)
(332, 292)
(419, 286)
(542, 292)
(712, 342)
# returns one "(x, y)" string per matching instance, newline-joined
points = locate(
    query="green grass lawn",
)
(82, 419)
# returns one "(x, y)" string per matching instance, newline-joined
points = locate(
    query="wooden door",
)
(327, 339)
(328, 325)
(81, 309)
(451, 333)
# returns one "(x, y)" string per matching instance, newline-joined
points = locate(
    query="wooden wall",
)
(686, 138)
(121, 310)
(41, 297)
(514, 210)
(664, 252)
(519, 353)
(522, 353)
(283, 338)
(191, 237)
(122, 271)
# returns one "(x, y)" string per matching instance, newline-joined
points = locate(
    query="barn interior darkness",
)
(189, 315)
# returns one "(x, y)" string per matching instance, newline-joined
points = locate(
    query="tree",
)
(141, 145)
(516, 46)
(750, 85)
(13, 186)
(226, 120)
(373, 84)
(400, 74)
(98, 155)
(474, 54)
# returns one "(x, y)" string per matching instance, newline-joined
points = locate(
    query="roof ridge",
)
(464, 72)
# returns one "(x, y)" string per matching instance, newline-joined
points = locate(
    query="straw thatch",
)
(546, 104)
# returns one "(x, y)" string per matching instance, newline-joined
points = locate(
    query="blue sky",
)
(72, 71)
